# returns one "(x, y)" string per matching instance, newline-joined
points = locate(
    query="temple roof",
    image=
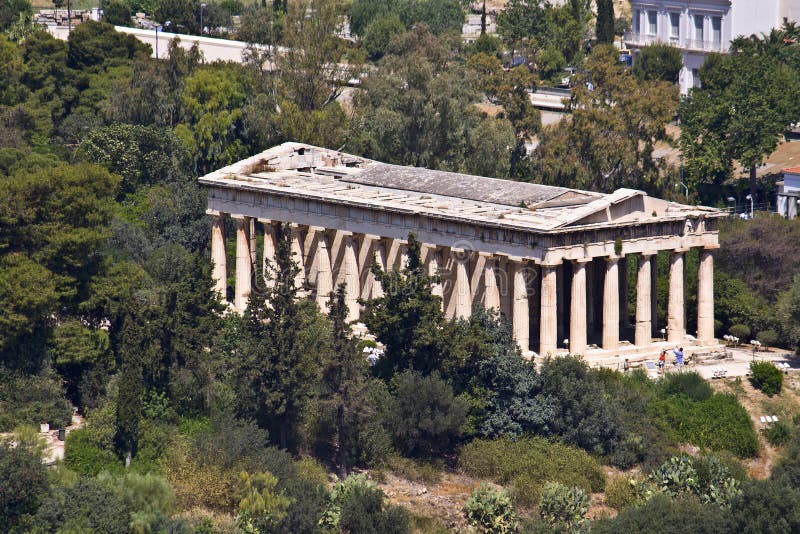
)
(300, 170)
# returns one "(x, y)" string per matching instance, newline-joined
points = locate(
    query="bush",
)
(357, 505)
(768, 338)
(23, 483)
(620, 492)
(562, 506)
(32, 400)
(742, 331)
(787, 468)
(766, 377)
(379, 32)
(490, 511)
(84, 457)
(766, 506)
(662, 514)
(719, 423)
(690, 384)
(778, 434)
(526, 464)
(427, 418)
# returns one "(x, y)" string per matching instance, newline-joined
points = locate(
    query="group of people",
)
(662, 360)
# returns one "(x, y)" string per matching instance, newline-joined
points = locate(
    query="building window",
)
(675, 25)
(635, 23)
(716, 30)
(698, 28)
(652, 22)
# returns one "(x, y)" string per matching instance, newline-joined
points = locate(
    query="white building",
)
(788, 192)
(703, 26)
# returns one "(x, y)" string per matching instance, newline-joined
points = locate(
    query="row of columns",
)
(504, 283)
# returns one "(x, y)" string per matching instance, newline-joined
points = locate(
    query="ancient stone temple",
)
(555, 261)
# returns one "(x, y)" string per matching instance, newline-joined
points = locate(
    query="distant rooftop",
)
(300, 170)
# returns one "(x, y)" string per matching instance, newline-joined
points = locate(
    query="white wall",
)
(755, 16)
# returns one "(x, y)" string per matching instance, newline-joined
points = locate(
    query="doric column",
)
(253, 241)
(297, 256)
(219, 272)
(351, 279)
(491, 294)
(519, 307)
(434, 266)
(462, 296)
(611, 304)
(244, 265)
(548, 318)
(577, 314)
(654, 294)
(644, 329)
(590, 297)
(324, 273)
(380, 259)
(676, 322)
(268, 257)
(624, 314)
(705, 297)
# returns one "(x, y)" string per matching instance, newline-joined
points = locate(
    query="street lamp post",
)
(202, 7)
(160, 27)
(750, 198)
(732, 200)
(685, 188)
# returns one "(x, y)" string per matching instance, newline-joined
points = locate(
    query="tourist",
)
(662, 360)
(626, 366)
(678, 358)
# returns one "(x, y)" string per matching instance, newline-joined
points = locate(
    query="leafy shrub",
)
(691, 384)
(426, 418)
(766, 377)
(261, 507)
(24, 483)
(742, 331)
(766, 506)
(85, 457)
(686, 515)
(787, 468)
(675, 477)
(560, 505)
(490, 511)
(526, 464)
(620, 492)
(414, 470)
(32, 400)
(778, 433)
(681, 476)
(357, 505)
(768, 338)
(719, 423)
(88, 506)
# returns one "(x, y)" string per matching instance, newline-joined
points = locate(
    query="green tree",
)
(379, 32)
(658, 62)
(279, 350)
(408, 319)
(10, 10)
(662, 514)
(24, 483)
(740, 112)
(766, 506)
(93, 43)
(604, 28)
(615, 124)
(117, 12)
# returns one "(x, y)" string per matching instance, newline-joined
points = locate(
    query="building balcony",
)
(640, 39)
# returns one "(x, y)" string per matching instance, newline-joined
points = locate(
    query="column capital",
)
(710, 248)
(581, 261)
(648, 253)
(215, 213)
(265, 221)
(372, 237)
(488, 255)
(680, 250)
(613, 258)
(238, 217)
(319, 229)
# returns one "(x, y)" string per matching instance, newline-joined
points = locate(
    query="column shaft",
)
(548, 317)
(520, 321)
(269, 253)
(611, 305)
(434, 265)
(324, 274)
(244, 264)
(654, 295)
(577, 317)
(491, 295)
(644, 329)
(676, 322)
(462, 295)
(351, 278)
(380, 259)
(705, 297)
(624, 314)
(219, 271)
(297, 257)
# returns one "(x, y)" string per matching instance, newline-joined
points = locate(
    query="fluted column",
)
(380, 259)
(705, 297)
(611, 304)
(491, 294)
(654, 295)
(297, 257)
(519, 306)
(244, 264)
(548, 318)
(462, 295)
(624, 314)
(351, 279)
(676, 322)
(324, 273)
(268, 257)
(577, 313)
(434, 266)
(644, 314)
(219, 272)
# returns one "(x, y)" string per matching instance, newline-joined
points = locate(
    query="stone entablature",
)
(508, 245)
